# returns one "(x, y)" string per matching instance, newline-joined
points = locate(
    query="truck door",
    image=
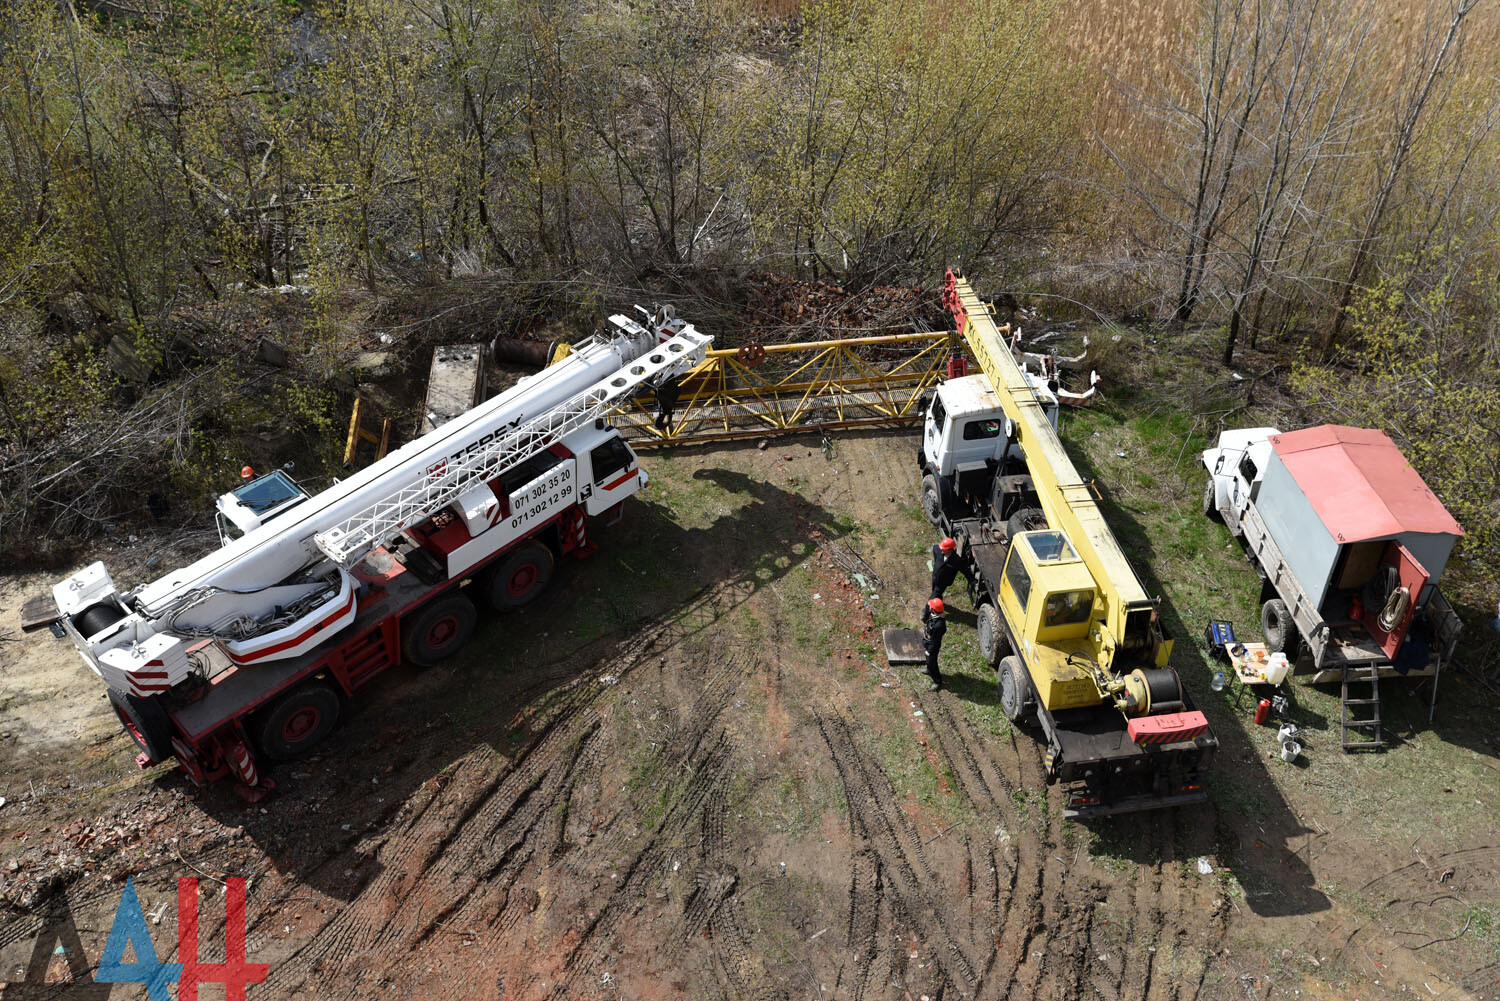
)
(1409, 576)
(613, 475)
(932, 443)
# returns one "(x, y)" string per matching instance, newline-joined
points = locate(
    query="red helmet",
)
(246, 473)
(936, 604)
(947, 545)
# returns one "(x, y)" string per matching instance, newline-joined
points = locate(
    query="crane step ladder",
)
(1359, 721)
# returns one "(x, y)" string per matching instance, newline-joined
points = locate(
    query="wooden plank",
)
(39, 612)
(353, 440)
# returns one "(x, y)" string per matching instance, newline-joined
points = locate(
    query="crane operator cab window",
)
(610, 460)
(1067, 608)
(1049, 547)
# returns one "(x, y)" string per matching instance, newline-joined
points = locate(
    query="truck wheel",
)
(932, 500)
(1015, 690)
(993, 641)
(519, 577)
(146, 722)
(437, 631)
(300, 720)
(1210, 508)
(1028, 519)
(1279, 629)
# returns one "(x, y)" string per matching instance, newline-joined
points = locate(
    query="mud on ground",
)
(687, 773)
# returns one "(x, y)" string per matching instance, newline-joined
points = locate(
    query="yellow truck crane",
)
(1076, 642)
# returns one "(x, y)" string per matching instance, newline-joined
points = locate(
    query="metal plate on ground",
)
(904, 646)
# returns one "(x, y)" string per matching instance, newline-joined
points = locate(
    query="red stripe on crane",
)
(615, 483)
(285, 644)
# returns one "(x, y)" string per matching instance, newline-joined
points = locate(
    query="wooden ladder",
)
(1360, 734)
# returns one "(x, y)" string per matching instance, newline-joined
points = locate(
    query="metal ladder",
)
(1365, 733)
(347, 542)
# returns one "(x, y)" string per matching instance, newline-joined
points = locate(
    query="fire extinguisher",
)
(1262, 712)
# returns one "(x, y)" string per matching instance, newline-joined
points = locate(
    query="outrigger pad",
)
(904, 646)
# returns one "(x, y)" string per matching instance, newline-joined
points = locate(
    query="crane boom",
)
(419, 495)
(1066, 498)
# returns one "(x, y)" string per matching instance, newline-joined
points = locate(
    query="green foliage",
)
(911, 135)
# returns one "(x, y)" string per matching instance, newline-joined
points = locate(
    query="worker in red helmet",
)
(946, 564)
(247, 474)
(933, 628)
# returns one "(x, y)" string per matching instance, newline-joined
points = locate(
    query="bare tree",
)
(1308, 125)
(1193, 193)
(1433, 59)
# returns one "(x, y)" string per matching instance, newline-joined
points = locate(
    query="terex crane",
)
(251, 650)
(1076, 642)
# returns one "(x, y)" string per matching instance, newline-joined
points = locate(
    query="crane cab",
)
(1049, 600)
(251, 505)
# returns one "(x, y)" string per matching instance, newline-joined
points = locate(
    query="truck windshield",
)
(1049, 547)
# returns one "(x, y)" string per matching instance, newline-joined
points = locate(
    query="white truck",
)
(1350, 544)
(251, 651)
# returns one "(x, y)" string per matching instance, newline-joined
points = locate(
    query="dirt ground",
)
(687, 773)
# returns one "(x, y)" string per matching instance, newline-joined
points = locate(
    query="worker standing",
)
(946, 565)
(666, 403)
(933, 628)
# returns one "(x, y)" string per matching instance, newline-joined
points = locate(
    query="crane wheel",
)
(145, 721)
(294, 725)
(519, 577)
(1015, 690)
(994, 643)
(1279, 628)
(437, 630)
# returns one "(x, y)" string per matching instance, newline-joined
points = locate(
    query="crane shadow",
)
(656, 582)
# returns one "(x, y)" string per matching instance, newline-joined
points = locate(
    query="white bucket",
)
(1288, 731)
(1290, 751)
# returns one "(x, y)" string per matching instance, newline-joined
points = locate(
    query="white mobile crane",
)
(252, 649)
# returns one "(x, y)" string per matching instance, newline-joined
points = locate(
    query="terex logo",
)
(130, 929)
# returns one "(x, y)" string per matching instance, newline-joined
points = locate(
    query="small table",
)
(1249, 661)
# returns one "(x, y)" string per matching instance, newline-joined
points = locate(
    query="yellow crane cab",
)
(1048, 594)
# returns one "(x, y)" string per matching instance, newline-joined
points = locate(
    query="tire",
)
(994, 643)
(1015, 690)
(97, 618)
(438, 630)
(932, 500)
(145, 721)
(298, 723)
(1210, 508)
(1028, 519)
(1279, 629)
(519, 577)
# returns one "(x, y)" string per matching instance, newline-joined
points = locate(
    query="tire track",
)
(898, 852)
